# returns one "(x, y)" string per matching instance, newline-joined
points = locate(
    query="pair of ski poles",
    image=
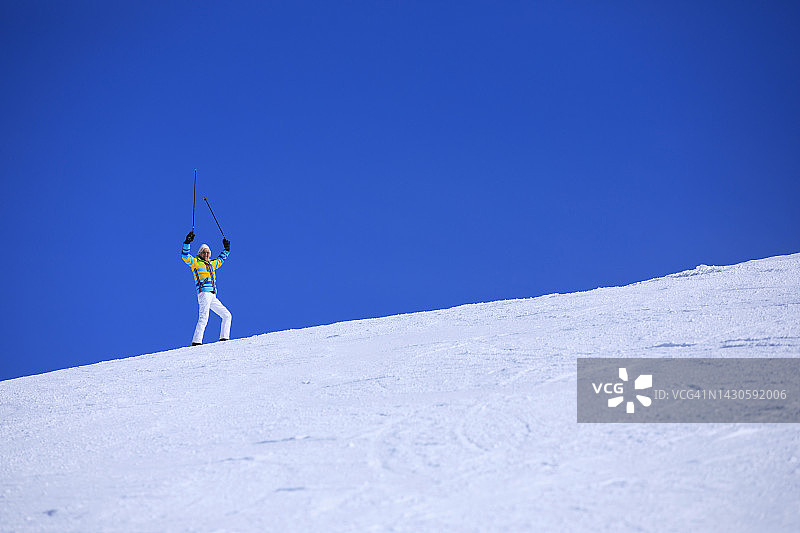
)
(194, 197)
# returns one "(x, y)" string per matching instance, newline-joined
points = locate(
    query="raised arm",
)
(186, 255)
(224, 254)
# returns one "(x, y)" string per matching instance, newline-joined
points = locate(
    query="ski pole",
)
(215, 218)
(194, 197)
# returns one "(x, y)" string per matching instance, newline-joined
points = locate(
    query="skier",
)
(206, 282)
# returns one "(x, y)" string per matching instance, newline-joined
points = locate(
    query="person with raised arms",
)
(204, 271)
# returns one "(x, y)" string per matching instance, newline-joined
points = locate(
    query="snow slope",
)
(455, 420)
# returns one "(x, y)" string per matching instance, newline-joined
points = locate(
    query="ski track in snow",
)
(455, 420)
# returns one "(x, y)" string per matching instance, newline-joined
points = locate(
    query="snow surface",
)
(455, 420)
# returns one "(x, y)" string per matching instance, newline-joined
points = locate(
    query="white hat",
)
(203, 247)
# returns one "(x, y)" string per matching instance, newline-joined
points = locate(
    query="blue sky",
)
(374, 158)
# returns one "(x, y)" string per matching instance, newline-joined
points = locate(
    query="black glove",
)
(189, 237)
(226, 244)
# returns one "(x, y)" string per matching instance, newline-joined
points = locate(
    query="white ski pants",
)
(206, 301)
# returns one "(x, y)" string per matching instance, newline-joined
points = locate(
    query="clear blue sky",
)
(373, 158)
